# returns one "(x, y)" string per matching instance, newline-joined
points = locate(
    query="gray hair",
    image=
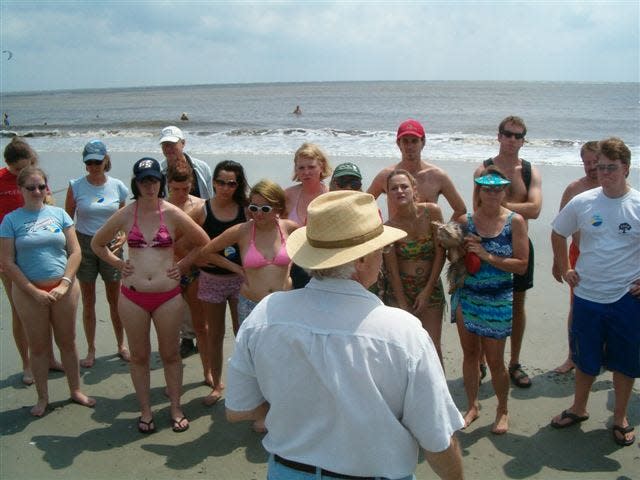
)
(345, 271)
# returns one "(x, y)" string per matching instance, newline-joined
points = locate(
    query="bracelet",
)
(67, 279)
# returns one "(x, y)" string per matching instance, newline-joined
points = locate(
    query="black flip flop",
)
(575, 419)
(175, 425)
(622, 441)
(150, 426)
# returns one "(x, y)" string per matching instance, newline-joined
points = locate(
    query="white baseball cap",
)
(171, 134)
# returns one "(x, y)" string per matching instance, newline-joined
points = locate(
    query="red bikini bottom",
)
(149, 301)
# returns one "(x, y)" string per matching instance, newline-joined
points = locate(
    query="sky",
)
(108, 44)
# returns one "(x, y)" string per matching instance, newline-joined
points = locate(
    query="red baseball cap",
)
(410, 127)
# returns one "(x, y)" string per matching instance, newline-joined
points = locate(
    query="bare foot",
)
(208, 379)
(88, 361)
(471, 416)
(566, 367)
(258, 426)
(40, 408)
(124, 354)
(27, 377)
(501, 425)
(55, 366)
(213, 397)
(81, 399)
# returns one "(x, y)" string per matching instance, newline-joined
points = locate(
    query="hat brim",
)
(93, 156)
(148, 173)
(347, 174)
(315, 258)
(170, 138)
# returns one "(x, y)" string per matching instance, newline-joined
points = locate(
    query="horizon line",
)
(310, 82)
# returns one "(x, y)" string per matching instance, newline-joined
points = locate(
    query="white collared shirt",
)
(354, 386)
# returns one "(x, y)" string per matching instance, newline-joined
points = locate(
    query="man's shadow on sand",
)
(221, 439)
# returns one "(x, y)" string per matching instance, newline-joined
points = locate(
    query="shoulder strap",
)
(526, 173)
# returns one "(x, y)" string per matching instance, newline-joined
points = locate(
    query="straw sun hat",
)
(341, 227)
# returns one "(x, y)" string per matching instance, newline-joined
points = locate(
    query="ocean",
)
(347, 119)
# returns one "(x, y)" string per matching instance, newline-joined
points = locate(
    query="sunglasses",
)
(509, 134)
(257, 208)
(228, 183)
(42, 187)
(353, 183)
(612, 167)
(488, 188)
(94, 162)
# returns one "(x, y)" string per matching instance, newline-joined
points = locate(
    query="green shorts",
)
(91, 264)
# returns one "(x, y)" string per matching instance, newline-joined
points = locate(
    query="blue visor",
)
(492, 180)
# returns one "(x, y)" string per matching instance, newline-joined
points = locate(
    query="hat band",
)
(347, 242)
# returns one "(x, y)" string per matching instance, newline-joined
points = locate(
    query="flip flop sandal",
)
(518, 376)
(150, 426)
(622, 441)
(575, 419)
(176, 425)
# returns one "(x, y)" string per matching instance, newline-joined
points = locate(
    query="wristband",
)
(67, 279)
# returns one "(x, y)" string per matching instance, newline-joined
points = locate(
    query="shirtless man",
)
(589, 155)
(524, 196)
(431, 181)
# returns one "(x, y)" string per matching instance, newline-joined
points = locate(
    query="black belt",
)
(303, 467)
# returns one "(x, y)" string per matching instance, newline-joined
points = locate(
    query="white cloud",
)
(76, 44)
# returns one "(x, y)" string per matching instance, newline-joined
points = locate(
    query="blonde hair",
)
(272, 193)
(314, 152)
(412, 180)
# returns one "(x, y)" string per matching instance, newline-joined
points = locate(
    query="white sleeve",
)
(243, 391)
(566, 222)
(429, 412)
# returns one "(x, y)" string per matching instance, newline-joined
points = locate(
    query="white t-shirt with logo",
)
(609, 229)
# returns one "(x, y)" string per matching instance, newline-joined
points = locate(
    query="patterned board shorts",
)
(214, 288)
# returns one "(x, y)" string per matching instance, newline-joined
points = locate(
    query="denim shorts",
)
(278, 471)
(91, 264)
(606, 335)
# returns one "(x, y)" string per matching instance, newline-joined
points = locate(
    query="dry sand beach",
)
(73, 442)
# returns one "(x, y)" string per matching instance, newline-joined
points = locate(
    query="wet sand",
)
(74, 442)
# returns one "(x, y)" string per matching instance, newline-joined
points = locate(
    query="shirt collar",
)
(340, 286)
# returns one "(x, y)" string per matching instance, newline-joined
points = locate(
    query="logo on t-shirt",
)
(596, 220)
(624, 227)
(99, 200)
(43, 224)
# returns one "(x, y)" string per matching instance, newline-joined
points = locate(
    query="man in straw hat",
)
(350, 387)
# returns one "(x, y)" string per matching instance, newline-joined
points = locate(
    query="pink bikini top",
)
(162, 238)
(254, 259)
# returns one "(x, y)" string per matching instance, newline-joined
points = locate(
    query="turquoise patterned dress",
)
(486, 298)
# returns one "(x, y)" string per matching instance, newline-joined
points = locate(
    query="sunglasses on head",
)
(93, 162)
(42, 187)
(256, 208)
(509, 134)
(228, 183)
(351, 183)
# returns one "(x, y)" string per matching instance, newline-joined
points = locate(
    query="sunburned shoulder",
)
(577, 187)
(292, 188)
